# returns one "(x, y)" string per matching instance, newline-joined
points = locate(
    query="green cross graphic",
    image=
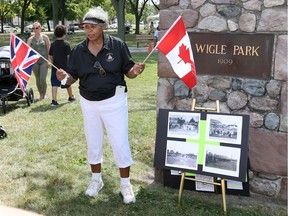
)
(202, 141)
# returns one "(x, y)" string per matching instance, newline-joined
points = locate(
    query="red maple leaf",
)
(184, 54)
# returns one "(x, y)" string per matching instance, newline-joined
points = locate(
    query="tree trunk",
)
(119, 6)
(138, 14)
(2, 23)
(63, 10)
(55, 12)
(22, 20)
(24, 6)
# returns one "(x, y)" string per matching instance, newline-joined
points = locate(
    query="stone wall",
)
(264, 100)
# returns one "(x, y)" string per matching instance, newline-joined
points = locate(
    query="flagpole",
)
(150, 53)
(37, 53)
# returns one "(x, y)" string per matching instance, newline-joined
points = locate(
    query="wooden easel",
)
(183, 177)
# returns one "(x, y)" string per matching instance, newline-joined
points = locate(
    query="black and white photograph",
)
(181, 154)
(222, 160)
(183, 125)
(224, 128)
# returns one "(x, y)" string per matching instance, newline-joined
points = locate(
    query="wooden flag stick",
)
(38, 53)
(150, 53)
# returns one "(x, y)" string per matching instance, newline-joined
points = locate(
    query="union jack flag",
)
(22, 59)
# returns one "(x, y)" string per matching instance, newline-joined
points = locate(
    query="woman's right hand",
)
(61, 74)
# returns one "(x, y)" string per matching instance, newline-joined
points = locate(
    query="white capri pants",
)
(110, 114)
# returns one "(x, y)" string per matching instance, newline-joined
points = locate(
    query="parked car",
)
(113, 26)
(8, 29)
(44, 28)
(28, 28)
(128, 27)
(71, 29)
(77, 26)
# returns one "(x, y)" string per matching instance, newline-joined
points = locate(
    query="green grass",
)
(43, 164)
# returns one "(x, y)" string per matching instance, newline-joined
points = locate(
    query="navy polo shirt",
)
(114, 58)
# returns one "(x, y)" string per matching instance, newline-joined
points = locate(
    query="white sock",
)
(96, 176)
(125, 181)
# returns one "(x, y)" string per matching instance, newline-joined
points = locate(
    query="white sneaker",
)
(94, 187)
(127, 194)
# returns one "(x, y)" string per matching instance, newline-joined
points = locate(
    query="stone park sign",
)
(235, 55)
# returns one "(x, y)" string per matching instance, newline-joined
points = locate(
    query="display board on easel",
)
(213, 144)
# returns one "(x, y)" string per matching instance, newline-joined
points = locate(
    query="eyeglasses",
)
(35, 28)
(101, 70)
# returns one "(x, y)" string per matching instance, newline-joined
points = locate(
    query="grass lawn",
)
(43, 165)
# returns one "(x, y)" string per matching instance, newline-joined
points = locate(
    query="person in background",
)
(156, 36)
(41, 43)
(151, 28)
(58, 54)
(101, 63)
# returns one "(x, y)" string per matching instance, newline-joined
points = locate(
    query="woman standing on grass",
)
(41, 43)
(101, 63)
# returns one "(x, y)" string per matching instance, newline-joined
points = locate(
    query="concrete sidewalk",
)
(140, 50)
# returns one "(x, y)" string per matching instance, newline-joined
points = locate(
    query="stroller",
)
(9, 88)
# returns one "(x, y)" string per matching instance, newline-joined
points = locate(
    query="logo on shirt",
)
(109, 57)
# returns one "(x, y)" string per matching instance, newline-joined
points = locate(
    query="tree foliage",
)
(41, 14)
(6, 11)
(74, 10)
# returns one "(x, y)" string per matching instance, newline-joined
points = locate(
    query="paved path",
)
(140, 50)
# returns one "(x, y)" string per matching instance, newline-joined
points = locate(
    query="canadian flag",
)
(176, 46)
